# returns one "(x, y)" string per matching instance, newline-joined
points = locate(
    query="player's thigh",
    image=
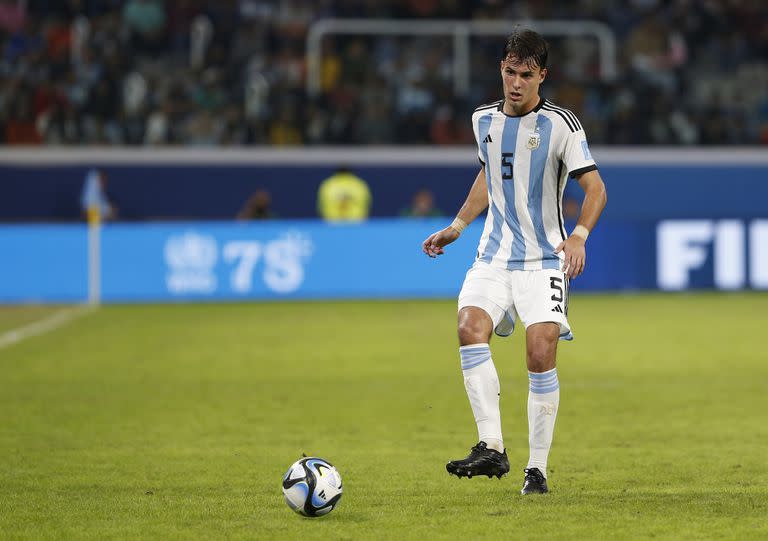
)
(488, 289)
(542, 296)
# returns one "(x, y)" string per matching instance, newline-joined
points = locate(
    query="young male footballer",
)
(528, 147)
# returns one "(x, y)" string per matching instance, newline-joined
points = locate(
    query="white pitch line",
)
(54, 321)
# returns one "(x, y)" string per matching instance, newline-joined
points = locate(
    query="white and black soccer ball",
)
(312, 487)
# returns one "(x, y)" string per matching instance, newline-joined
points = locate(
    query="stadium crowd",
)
(233, 72)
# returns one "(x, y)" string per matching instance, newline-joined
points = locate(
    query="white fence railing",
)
(461, 32)
(395, 156)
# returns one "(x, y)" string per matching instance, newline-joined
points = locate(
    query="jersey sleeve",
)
(476, 131)
(576, 155)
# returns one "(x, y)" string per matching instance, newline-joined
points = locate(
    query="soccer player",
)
(528, 147)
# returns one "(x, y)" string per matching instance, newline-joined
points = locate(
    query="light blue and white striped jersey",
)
(527, 162)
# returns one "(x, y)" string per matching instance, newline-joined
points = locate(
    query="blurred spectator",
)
(422, 206)
(145, 21)
(13, 15)
(257, 207)
(20, 127)
(158, 129)
(95, 199)
(284, 129)
(445, 130)
(651, 55)
(343, 197)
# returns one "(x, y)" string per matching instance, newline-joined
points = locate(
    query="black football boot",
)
(535, 482)
(480, 461)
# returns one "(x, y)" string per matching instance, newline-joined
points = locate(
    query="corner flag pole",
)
(94, 255)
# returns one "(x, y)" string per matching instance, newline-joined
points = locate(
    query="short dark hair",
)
(528, 47)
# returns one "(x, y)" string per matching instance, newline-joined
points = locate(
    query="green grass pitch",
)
(178, 422)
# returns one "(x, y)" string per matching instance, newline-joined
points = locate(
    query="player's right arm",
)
(477, 202)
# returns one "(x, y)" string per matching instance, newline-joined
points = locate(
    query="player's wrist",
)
(581, 232)
(458, 225)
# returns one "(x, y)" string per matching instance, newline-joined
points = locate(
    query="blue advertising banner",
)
(298, 259)
(307, 259)
(43, 263)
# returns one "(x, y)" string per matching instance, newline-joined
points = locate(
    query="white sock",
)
(543, 401)
(482, 385)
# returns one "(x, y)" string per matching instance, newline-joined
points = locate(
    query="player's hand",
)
(433, 245)
(575, 255)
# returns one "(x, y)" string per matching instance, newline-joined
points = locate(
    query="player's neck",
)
(523, 108)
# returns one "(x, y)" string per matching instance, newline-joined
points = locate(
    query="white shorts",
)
(534, 296)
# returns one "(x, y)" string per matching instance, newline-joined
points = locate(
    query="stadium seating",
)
(234, 73)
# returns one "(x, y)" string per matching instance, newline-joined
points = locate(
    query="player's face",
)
(521, 84)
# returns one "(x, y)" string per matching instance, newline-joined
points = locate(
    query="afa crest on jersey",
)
(534, 140)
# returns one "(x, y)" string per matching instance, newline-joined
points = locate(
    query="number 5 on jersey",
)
(507, 159)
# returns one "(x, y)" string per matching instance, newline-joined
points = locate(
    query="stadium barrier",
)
(675, 220)
(203, 184)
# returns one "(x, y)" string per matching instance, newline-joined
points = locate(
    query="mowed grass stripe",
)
(178, 422)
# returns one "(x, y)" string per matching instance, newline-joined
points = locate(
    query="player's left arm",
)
(595, 199)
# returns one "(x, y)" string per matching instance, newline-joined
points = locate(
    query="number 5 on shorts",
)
(556, 284)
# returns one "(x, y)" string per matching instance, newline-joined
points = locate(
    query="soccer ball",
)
(312, 487)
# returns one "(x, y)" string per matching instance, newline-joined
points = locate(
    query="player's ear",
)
(543, 75)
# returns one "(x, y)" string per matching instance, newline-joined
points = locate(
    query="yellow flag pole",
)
(94, 255)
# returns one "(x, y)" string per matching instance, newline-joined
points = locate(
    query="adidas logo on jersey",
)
(557, 309)
(488, 139)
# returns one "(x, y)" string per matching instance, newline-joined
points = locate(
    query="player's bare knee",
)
(471, 332)
(474, 327)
